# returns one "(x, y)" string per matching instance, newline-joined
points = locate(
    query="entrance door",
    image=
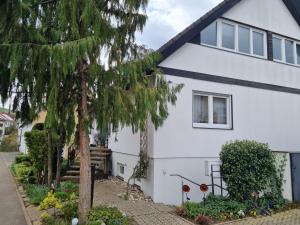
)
(295, 165)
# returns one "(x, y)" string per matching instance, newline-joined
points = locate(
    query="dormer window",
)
(235, 37)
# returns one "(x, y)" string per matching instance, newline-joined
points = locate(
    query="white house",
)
(5, 122)
(240, 66)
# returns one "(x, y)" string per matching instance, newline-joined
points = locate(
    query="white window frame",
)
(210, 123)
(236, 47)
(295, 43)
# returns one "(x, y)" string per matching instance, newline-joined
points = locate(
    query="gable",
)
(292, 6)
(272, 15)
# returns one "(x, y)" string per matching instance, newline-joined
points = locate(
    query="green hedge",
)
(106, 215)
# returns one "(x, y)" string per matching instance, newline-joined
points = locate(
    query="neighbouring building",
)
(5, 121)
(240, 66)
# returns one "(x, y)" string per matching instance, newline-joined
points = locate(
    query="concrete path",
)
(11, 212)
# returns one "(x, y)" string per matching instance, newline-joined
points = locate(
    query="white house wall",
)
(271, 15)
(213, 61)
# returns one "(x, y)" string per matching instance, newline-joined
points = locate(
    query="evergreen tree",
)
(81, 56)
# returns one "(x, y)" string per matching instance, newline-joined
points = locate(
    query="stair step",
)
(74, 167)
(73, 172)
(99, 149)
(103, 154)
(95, 158)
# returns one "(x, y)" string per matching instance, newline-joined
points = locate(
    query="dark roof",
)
(190, 32)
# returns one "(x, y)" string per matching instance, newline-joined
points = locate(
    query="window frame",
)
(211, 124)
(283, 50)
(236, 25)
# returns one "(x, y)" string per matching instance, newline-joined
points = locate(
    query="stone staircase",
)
(100, 158)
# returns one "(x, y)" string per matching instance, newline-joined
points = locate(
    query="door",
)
(295, 165)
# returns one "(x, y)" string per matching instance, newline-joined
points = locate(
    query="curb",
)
(27, 217)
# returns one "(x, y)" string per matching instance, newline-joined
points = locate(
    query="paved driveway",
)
(11, 212)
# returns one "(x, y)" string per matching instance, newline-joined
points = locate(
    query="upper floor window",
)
(211, 110)
(235, 37)
(209, 35)
(286, 50)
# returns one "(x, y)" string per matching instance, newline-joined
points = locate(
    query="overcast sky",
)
(166, 18)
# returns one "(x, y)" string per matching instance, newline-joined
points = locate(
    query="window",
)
(211, 110)
(258, 43)
(200, 109)
(235, 37)
(244, 39)
(120, 170)
(289, 51)
(209, 35)
(286, 50)
(298, 53)
(1, 133)
(228, 36)
(220, 110)
(277, 48)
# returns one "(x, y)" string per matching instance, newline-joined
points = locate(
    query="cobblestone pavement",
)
(141, 211)
(11, 212)
(291, 217)
(148, 213)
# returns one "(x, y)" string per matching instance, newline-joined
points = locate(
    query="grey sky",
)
(166, 18)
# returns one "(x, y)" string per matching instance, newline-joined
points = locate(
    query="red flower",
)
(203, 187)
(186, 188)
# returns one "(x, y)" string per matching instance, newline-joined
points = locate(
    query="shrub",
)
(22, 158)
(202, 220)
(23, 172)
(36, 193)
(68, 187)
(37, 143)
(70, 207)
(247, 167)
(107, 215)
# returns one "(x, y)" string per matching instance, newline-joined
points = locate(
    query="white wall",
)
(271, 15)
(21, 138)
(198, 58)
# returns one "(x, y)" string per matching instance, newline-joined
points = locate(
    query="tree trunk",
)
(85, 169)
(59, 152)
(49, 181)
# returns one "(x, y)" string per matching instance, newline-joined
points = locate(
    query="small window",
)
(1, 133)
(298, 53)
(211, 111)
(200, 113)
(1, 124)
(209, 35)
(258, 43)
(228, 36)
(244, 39)
(277, 48)
(122, 170)
(289, 51)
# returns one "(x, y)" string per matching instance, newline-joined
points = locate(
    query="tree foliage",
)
(66, 56)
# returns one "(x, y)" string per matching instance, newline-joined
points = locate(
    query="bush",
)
(22, 158)
(36, 193)
(107, 215)
(23, 172)
(70, 207)
(68, 187)
(202, 220)
(37, 143)
(248, 167)
(218, 208)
